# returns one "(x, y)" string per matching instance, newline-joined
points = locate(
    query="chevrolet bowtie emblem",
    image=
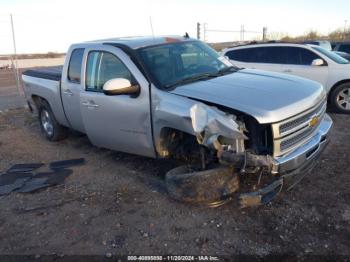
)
(314, 121)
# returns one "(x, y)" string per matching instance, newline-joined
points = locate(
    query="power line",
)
(232, 31)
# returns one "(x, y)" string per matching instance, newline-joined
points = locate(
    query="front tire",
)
(49, 125)
(211, 187)
(340, 98)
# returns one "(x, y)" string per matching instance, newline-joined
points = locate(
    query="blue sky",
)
(51, 25)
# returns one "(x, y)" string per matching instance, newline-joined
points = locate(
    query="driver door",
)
(299, 63)
(118, 122)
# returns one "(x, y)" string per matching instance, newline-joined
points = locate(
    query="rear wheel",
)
(49, 125)
(340, 98)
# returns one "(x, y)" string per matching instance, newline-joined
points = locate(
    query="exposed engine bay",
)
(223, 138)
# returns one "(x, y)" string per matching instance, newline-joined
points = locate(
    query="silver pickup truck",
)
(174, 96)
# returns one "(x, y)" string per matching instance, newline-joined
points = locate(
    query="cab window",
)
(104, 66)
(75, 62)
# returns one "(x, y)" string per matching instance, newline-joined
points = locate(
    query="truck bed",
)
(50, 73)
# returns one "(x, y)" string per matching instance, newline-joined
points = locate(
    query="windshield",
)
(182, 62)
(331, 55)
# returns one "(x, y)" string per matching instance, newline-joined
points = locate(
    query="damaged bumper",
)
(292, 167)
(304, 156)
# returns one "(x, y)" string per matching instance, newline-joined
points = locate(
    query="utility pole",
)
(15, 55)
(264, 33)
(345, 21)
(198, 31)
(242, 33)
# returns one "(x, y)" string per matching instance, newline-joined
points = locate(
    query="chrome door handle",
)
(288, 70)
(93, 106)
(89, 104)
(68, 92)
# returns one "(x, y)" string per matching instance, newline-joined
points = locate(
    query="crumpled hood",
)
(269, 97)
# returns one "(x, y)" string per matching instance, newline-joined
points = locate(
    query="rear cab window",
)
(74, 67)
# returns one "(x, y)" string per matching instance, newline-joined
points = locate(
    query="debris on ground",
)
(67, 163)
(21, 179)
(21, 168)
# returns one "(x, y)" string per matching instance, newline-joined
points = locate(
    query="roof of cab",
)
(136, 42)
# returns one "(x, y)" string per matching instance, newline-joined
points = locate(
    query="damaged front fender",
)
(211, 124)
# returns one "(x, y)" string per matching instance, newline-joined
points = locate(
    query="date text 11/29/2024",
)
(173, 258)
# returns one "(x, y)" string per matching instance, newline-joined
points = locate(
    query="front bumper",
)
(304, 156)
(291, 168)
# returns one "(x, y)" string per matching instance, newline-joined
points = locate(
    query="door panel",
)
(267, 67)
(119, 122)
(316, 73)
(299, 63)
(71, 88)
(261, 66)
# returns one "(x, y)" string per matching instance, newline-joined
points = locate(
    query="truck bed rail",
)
(50, 73)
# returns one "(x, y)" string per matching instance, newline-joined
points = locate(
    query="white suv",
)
(309, 61)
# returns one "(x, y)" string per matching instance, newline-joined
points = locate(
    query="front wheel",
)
(49, 125)
(340, 98)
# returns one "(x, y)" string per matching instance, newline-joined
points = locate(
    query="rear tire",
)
(340, 98)
(49, 125)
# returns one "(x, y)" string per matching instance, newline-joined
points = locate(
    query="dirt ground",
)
(117, 204)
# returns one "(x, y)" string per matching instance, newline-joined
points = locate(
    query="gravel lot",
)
(117, 204)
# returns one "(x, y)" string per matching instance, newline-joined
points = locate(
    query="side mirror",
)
(317, 62)
(120, 86)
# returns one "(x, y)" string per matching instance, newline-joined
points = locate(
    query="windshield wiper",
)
(226, 70)
(193, 79)
(229, 69)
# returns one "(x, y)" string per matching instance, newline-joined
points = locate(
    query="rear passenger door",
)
(299, 63)
(118, 122)
(71, 86)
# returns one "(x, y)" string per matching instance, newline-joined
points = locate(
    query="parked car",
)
(176, 97)
(309, 61)
(342, 47)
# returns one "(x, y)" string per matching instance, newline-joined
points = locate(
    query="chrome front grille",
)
(292, 125)
(295, 131)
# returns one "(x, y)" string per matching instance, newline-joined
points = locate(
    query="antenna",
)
(150, 21)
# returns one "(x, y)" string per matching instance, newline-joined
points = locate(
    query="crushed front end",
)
(285, 154)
